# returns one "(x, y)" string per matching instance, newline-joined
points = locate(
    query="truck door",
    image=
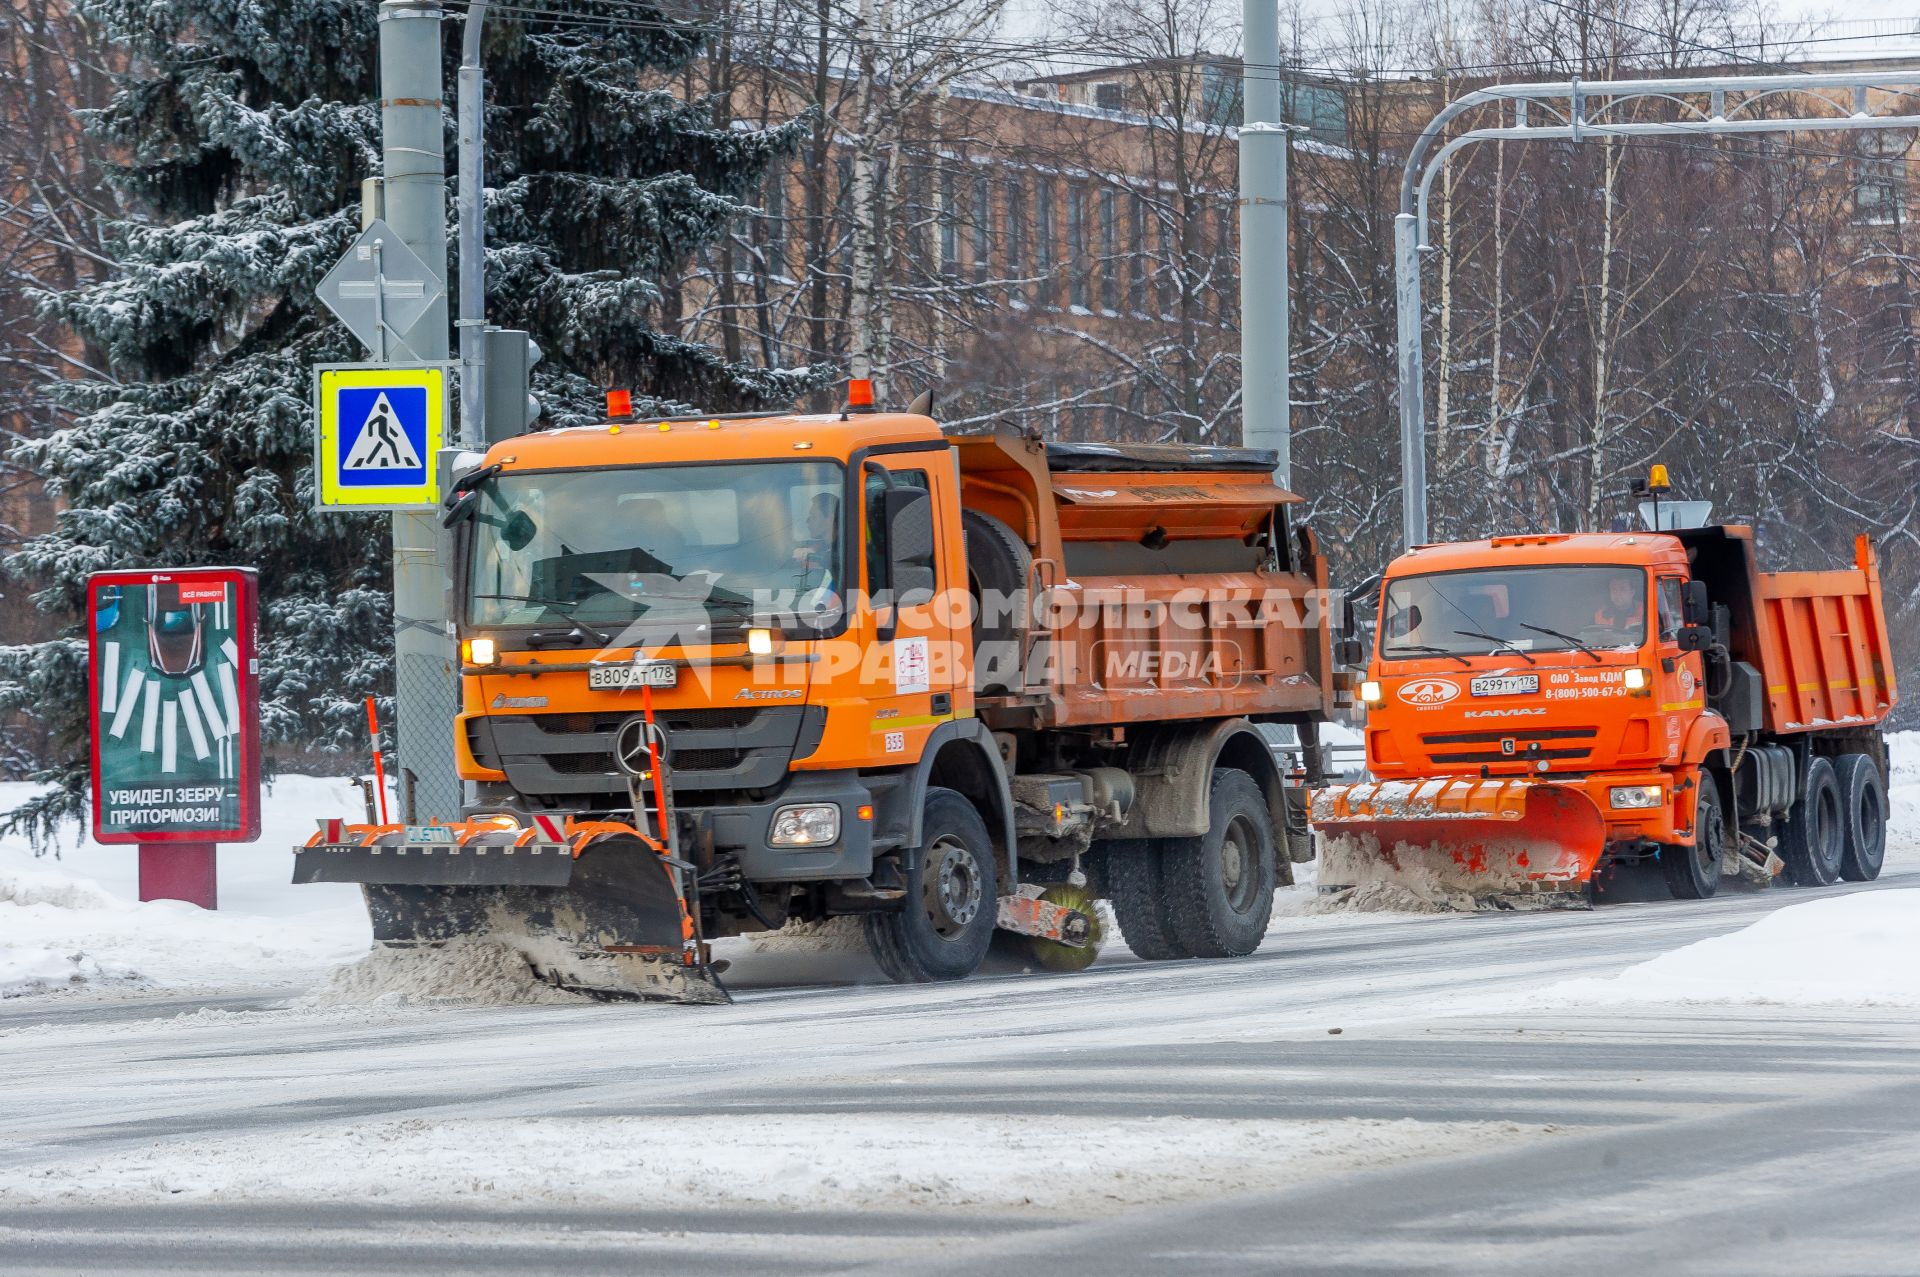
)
(914, 665)
(1680, 684)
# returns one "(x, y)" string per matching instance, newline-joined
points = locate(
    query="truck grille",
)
(569, 755)
(1527, 744)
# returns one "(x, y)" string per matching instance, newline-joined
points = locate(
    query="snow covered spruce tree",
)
(241, 132)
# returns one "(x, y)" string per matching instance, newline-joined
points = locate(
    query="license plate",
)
(1505, 684)
(619, 677)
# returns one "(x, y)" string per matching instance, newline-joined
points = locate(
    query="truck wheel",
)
(1220, 885)
(997, 563)
(1693, 873)
(1813, 839)
(1133, 874)
(1863, 807)
(952, 902)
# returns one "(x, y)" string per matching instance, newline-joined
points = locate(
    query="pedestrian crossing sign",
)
(381, 430)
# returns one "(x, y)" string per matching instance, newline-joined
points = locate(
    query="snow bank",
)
(837, 1161)
(72, 918)
(1861, 949)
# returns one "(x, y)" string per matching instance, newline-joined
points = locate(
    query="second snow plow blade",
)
(1500, 842)
(592, 906)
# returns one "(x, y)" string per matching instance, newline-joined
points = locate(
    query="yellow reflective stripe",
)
(1681, 705)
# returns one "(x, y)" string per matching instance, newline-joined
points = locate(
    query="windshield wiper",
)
(1550, 633)
(1505, 644)
(1425, 649)
(563, 606)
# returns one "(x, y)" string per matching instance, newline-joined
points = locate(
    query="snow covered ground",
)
(806, 1161)
(74, 919)
(73, 922)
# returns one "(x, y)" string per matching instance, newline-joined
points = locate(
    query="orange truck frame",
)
(939, 682)
(1540, 707)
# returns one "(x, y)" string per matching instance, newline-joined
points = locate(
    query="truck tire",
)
(1220, 885)
(997, 563)
(1693, 873)
(943, 931)
(1863, 807)
(1133, 883)
(1813, 839)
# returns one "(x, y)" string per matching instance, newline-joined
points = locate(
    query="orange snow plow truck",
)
(1542, 707)
(722, 674)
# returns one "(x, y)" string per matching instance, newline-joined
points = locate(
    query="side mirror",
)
(1695, 607)
(908, 513)
(1348, 650)
(1695, 638)
(518, 531)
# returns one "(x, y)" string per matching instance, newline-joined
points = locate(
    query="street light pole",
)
(472, 109)
(1264, 408)
(414, 168)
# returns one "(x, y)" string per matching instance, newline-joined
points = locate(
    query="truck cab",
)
(1545, 656)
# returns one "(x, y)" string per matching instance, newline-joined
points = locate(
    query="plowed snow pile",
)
(1370, 884)
(1855, 950)
(831, 1160)
(459, 973)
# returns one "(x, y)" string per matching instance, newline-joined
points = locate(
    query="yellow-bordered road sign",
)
(381, 428)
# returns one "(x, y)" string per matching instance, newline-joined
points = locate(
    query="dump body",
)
(1615, 671)
(834, 625)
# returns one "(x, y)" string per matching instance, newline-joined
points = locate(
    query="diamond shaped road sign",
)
(380, 283)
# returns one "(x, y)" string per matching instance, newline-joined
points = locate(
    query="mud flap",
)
(604, 913)
(1500, 842)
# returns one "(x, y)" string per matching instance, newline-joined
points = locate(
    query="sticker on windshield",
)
(1429, 691)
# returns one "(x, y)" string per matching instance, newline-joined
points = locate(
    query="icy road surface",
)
(1185, 1117)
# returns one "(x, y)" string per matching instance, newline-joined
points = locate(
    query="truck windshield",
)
(730, 543)
(1521, 610)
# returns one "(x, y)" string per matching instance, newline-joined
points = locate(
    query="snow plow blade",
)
(1512, 843)
(592, 906)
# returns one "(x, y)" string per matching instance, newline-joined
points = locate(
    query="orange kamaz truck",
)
(723, 673)
(1539, 708)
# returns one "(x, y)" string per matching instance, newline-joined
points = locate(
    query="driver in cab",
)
(1624, 614)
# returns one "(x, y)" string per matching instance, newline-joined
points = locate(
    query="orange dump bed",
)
(1156, 594)
(1820, 641)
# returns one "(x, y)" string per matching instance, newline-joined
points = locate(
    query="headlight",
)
(479, 651)
(1636, 679)
(1635, 796)
(812, 826)
(1370, 692)
(760, 642)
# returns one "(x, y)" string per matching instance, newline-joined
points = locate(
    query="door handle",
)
(943, 702)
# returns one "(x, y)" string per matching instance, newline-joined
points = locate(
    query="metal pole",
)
(473, 232)
(413, 150)
(1570, 103)
(1413, 408)
(1264, 407)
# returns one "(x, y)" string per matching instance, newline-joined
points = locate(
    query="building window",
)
(1110, 95)
(1879, 191)
(772, 238)
(982, 228)
(913, 236)
(1220, 96)
(949, 226)
(1077, 263)
(1043, 240)
(1226, 267)
(1163, 265)
(1016, 215)
(1136, 253)
(1109, 250)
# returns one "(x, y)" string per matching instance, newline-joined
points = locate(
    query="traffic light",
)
(511, 407)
